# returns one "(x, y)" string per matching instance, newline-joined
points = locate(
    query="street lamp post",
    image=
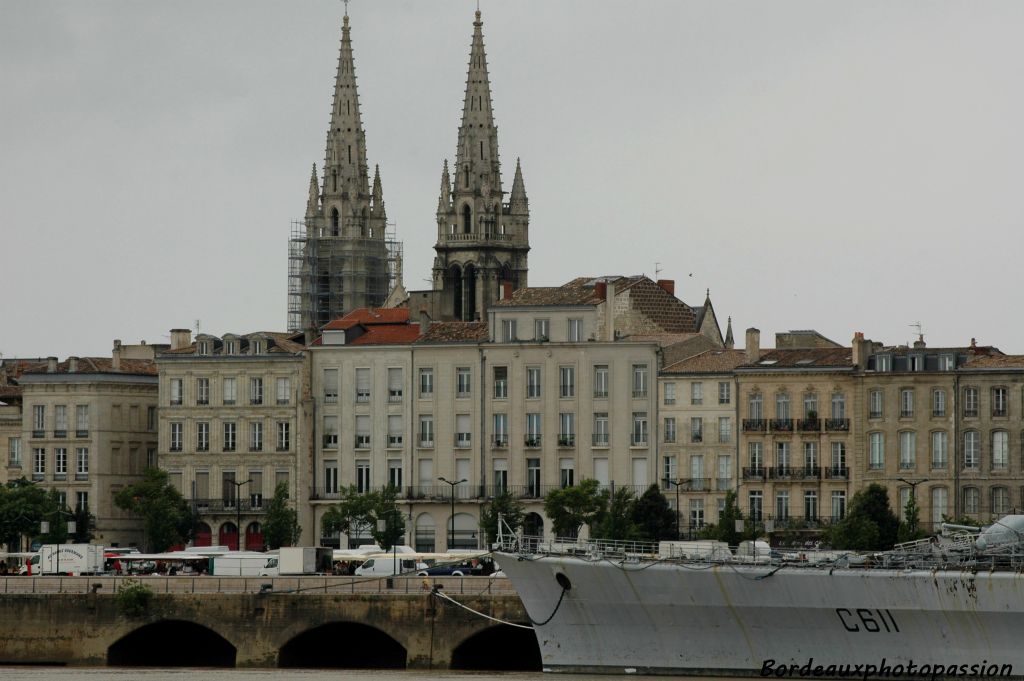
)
(44, 528)
(451, 535)
(238, 508)
(913, 488)
(677, 484)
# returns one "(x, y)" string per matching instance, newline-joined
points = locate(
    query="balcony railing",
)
(60, 433)
(463, 440)
(363, 396)
(330, 442)
(837, 425)
(723, 484)
(600, 439)
(228, 505)
(395, 441)
(638, 440)
(82, 433)
(999, 412)
(837, 473)
(754, 473)
(971, 413)
(794, 473)
(566, 440)
(394, 396)
(755, 425)
(808, 425)
(362, 442)
(696, 437)
(500, 440)
(782, 425)
(698, 485)
(531, 441)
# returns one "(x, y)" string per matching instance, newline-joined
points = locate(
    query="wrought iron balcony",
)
(754, 473)
(532, 441)
(809, 425)
(837, 473)
(755, 425)
(566, 440)
(500, 440)
(837, 425)
(782, 425)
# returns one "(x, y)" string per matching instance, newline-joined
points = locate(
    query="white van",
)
(386, 564)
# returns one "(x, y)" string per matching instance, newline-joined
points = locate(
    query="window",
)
(60, 463)
(532, 382)
(810, 405)
(362, 431)
(940, 500)
(395, 428)
(533, 477)
(999, 402)
(810, 456)
(811, 505)
(1000, 500)
(669, 470)
(838, 406)
(230, 391)
(567, 429)
(946, 362)
(838, 457)
(82, 463)
(906, 403)
(500, 383)
(782, 406)
(724, 481)
(697, 471)
(696, 514)
(14, 452)
(500, 476)
(81, 501)
(395, 473)
(284, 442)
(696, 429)
(203, 347)
(463, 436)
(601, 429)
(426, 382)
(724, 429)
(284, 390)
(838, 505)
(972, 500)
(724, 390)
(362, 476)
(639, 380)
(256, 347)
(875, 404)
(176, 390)
(330, 432)
(202, 436)
(255, 390)
(38, 420)
(395, 385)
(176, 435)
(970, 401)
(755, 457)
(670, 393)
(541, 329)
(462, 382)
(940, 449)
(82, 420)
(533, 430)
(883, 362)
(363, 385)
(508, 331)
(202, 391)
(670, 429)
(782, 461)
(255, 436)
(601, 380)
(575, 333)
(60, 420)
(877, 451)
(500, 430)
(696, 393)
(1000, 450)
(938, 402)
(755, 407)
(38, 463)
(972, 450)
(566, 473)
(426, 430)
(755, 505)
(639, 429)
(908, 455)
(566, 382)
(230, 434)
(331, 477)
(782, 505)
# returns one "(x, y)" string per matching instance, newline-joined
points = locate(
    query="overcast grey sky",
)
(845, 167)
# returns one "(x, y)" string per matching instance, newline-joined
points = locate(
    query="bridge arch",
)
(343, 645)
(499, 648)
(172, 643)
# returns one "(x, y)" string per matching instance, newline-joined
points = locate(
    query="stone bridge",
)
(399, 627)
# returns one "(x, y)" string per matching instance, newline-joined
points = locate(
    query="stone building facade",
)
(232, 427)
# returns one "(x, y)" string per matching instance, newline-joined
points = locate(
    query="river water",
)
(207, 674)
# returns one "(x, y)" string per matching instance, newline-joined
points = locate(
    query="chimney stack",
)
(51, 365)
(424, 322)
(601, 290)
(180, 338)
(753, 347)
(506, 290)
(609, 311)
(72, 365)
(860, 350)
(115, 356)
(919, 343)
(668, 285)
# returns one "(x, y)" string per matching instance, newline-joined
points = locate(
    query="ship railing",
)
(589, 547)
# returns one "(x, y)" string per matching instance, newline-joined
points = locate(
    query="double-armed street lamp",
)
(913, 489)
(44, 528)
(238, 508)
(677, 484)
(451, 535)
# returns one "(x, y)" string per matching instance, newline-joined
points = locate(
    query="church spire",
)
(345, 167)
(517, 200)
(313, 202)
(445, 199)
(476, 160)
(729, 342)
(378, 193)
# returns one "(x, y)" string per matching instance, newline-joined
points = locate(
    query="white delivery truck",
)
(389, 564)
(70, 559)
(298, 560)
(239, 564)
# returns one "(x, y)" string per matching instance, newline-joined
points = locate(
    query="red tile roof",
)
(389, 334)
(455, 332)
(368, 316)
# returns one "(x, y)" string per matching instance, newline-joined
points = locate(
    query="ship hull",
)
(746, 620)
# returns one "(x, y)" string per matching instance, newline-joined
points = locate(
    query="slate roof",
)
(803, 358)
(995, 362)
(101, 365)
(708, 362)
(282, 344)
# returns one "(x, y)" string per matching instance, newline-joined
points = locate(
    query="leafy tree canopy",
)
(570, 508)
(869, 524)
(165, 514)
(508, 507)
(359, 514)
(618, 521)
(23, 506)
(281, 524)
(653, 516)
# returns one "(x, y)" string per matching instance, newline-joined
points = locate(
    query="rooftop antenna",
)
(920, 329)
(197, 326)
(345, 2)
(657, 270)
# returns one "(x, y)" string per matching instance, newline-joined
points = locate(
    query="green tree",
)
(910, 528)
(359, 514)
(23, 506)
(619, 520)
(570, 508)
(869, 524)
(281, 524)
(725, 530)
(508, 507)
(653, 516)
(165, 514)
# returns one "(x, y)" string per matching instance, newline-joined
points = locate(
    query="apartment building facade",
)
(232, 427)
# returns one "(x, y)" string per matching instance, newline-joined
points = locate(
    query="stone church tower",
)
(482, 242)
(338, 256)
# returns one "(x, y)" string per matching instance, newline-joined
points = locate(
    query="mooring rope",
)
(444, 596)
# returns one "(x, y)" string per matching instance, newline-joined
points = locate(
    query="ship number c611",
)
(871, 621)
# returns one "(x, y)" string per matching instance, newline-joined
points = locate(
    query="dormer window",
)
(257, 347)
(946, 363)
(883, 362)
(203, 347)
(915, 362)
(230, 347)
